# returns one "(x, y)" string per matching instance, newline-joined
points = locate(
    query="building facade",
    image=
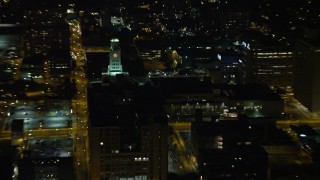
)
(307, 74)
(271, 65)
(114, 57)
(108, 159)
(125, 142)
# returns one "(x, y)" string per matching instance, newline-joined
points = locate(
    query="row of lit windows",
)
(278, 73)
(231, 76)
(190, 109)
(142, 177)
(141, 159)
(123, 168)
(277, 57)
(273, 70)
(233, 66)
(281, 66)
(61, 67)
(274, 53)
(253, 107)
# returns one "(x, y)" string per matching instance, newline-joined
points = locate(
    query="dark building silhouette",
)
(225, 150)
(307, 74)
(127, 132)
(42, 168)
(240, 162)
(7, 156)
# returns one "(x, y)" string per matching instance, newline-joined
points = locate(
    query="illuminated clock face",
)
(115, 55)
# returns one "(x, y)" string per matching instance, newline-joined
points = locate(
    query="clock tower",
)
(115, 66)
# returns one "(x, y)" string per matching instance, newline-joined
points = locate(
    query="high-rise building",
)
(127, 134)
(271, 65)
(307, 74)
(269, 60)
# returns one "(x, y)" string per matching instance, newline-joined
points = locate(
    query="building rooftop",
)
(170, 86)
(242, 151)
(312, 44)
(181, 85)
(124, 104)
(250, 92)
(228, 127)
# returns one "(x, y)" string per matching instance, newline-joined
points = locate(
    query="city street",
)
(296, 113)
(79, 103)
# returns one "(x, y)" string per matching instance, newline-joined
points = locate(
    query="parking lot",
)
(50, 147)
(35, 117)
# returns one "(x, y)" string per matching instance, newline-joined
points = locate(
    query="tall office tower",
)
(127, 136)
(306, 73)
(271, 64)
